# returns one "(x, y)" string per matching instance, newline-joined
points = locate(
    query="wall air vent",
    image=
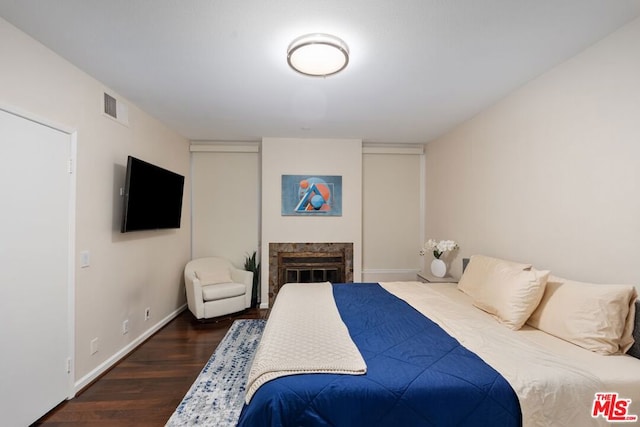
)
(115, 109)
(110, 106)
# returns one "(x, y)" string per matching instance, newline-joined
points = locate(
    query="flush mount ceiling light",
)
(318, 55)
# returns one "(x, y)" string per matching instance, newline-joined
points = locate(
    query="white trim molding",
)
(390, 271)
(389, 274)
(412, 149)
(224, 147)
(107, 364)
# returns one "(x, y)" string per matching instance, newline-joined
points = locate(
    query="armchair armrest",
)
(245, 277)
(194, 294)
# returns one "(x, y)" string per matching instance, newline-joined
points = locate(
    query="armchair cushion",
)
(214, 287)
(213, 276)
(222, 290)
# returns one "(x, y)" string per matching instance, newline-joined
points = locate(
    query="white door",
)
(35, 189)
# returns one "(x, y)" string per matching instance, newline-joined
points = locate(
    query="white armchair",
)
(215, 287)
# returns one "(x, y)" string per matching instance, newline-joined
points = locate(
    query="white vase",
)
(438, 268)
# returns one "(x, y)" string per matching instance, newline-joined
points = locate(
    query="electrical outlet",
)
(147, 313)
(125, 327)
(85, 259)
(94, 346)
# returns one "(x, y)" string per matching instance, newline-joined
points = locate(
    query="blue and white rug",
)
(217, 396)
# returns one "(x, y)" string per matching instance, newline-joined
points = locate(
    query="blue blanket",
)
(417, 375)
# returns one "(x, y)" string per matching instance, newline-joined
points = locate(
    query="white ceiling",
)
(217, 70)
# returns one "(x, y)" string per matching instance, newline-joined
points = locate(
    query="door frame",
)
(71, 264)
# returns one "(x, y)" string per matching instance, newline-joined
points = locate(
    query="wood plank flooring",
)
(145, 387)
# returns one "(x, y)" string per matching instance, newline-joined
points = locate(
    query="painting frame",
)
(311, 195)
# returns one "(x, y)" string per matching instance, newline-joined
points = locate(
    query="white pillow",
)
(212, 277)
(507, 290)
(596, 317)
(513, 295)
(480, 270)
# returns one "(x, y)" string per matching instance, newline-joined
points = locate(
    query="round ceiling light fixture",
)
(318, 55)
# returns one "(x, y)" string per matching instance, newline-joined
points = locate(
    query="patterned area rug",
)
(217, 396)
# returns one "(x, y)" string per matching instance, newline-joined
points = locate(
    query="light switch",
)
(85, 259)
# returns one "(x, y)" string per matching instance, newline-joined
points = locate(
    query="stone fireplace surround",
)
(313, 251)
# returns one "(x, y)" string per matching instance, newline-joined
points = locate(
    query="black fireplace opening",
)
(311, 267)
(312, 275)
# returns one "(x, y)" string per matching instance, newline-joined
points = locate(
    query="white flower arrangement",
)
(438, 248)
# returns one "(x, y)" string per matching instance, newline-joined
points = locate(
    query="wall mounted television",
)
(152, 197)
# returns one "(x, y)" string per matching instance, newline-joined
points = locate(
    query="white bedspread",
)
(554, 380)
(287, 347)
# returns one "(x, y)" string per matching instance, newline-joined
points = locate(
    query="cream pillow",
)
(596, 317)
(212, 277)
(480, 271)
(512, 295)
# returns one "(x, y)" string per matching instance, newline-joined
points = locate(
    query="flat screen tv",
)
(152, 197)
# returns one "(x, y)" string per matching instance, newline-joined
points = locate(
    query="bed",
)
(430, 357)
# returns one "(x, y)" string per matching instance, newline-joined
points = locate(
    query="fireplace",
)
(308, 263)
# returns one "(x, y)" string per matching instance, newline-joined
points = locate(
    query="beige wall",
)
(226, 205)
(391, 215)
(283, 156)
(128, 272)
(550, 175)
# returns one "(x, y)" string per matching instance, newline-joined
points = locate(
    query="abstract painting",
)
(318, 195)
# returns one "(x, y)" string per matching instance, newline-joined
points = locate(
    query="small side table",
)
(426, 277)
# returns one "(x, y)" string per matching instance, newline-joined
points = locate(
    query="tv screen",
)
(152, 197)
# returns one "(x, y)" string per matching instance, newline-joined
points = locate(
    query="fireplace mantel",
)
(334, 259)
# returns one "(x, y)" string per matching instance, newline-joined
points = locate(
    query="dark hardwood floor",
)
(145, 387)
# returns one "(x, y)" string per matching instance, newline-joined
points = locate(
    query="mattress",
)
(417, 375)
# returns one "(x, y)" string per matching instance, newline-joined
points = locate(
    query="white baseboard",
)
(104, 366)
(389, 275)
(390, 271)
